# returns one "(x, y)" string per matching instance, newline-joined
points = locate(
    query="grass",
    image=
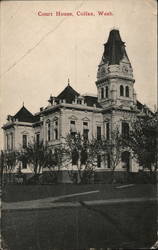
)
(13, 193)
(116, 226)
(123, 225)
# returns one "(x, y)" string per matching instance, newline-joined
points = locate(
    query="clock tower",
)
(115, 75)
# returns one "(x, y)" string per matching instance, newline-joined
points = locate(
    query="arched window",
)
(56, 134)
(121, 90)
(102, 93)
(107, 92)
(127, 91)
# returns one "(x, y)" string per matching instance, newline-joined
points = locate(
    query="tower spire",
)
(68, 82)
(114, 48)
(115, 75)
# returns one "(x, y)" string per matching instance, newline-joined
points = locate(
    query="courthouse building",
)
(93, 116)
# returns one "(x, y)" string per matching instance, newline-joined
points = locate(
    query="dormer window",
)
(121, 90)
(79, 102)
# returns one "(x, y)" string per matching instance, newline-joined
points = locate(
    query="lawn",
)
(13, 193)
(123, 225)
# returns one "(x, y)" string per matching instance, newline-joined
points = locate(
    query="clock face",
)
(102, 71)
(125, 69)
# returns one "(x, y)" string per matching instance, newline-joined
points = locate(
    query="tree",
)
(2, 165)
(41, 157)
(143, 141)
(86, 154)
(8, 162)
(82, 153)
(112, 148)
(54, 163)
(37, 155)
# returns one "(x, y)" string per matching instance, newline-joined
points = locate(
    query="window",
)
(121, 90)
(107, 131)
(107, 92)
(127, 91)
(24, 141)
(75, 157)
(24, 164)
(83, 156)
(85, 130)
(73, 127)
(125, 158)
(38, 139)
(79, 102)
(99, 161)
(48, 130)
(85, 134)
(102, 93)
(7, 138)
(56, 134)
(108, 161)
(11, 138)
(125, 130)
(98, 133)
(72, 122)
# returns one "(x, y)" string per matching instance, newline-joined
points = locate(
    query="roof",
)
(23, 115)
(114, 49)
(36, 118)
(91, 100)
(139, 105)
(68, 94)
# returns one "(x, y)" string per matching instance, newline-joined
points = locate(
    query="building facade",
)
(93, 116)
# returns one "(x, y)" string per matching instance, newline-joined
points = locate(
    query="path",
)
(54, 202)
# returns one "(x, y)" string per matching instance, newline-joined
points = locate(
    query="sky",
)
(40, 53)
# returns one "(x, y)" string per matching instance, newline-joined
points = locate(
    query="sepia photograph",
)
(79, 120)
